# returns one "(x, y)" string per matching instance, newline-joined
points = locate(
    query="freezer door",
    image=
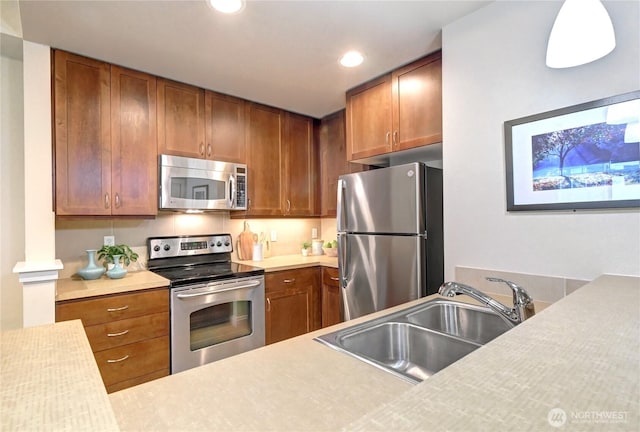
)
(386, 200)
(380, 271)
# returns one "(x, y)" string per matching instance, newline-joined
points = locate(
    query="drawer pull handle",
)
(122, 333)
(335, 279)
(268, 304)
(118, 309)
(118, 360)
(292, 280)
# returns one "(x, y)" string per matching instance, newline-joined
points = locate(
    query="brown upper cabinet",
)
(194, 122)
(398, 111)
(104, 139)
(281, 163)
(181, 120)
(333, 160)
(224, 127)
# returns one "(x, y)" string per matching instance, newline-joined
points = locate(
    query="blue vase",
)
(117, 272)
(92, 270)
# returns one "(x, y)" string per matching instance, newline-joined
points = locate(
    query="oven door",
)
(212, 321)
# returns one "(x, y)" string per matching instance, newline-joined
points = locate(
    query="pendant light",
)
(581, 33)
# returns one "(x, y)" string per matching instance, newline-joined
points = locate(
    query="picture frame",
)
(585, 156)
(200, 192)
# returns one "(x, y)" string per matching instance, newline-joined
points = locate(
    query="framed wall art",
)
(585, 156)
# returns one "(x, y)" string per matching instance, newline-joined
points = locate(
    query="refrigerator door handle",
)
(341, 223)
(342, 260)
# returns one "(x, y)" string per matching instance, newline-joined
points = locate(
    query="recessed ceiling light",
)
(351, 59)
(227, 6)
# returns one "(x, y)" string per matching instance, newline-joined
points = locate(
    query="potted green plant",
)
(306, 246)
(106, 253)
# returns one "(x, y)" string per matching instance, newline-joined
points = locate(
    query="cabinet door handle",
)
(107, 201)
(209, 150)
(395, 137)
(386, 137)
(118, 309)
(268, 304)
(248, 204)
(288, 206)
(292, 280)
(122, 333)
(117, 200)
(335, 278)
(118, 360)
(201, 149)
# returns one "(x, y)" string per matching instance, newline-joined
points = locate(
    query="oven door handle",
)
(213, 290)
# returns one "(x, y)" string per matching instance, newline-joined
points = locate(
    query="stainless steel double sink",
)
(417, 342)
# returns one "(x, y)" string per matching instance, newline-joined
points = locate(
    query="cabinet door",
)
(333, 161)
(134, 151)
(180, 119)
(82, 136)
(369, 119)
(292, 303)
(299, 166)
(265, 176)
(331, 297)
(417, 104)
(225, 128)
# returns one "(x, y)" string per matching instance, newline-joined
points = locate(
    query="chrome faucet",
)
(523, 307)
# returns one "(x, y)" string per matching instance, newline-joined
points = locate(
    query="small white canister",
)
(316, 247)
(257, 252)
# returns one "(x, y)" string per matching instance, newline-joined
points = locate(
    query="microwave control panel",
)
(241, 192)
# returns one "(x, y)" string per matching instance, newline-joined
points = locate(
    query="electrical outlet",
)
(109, 240)
(274, 236)
(314, 233)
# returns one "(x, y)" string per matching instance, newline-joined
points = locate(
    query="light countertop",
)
(580, 355)
(50, 381)
(288, 262)
(76, 288)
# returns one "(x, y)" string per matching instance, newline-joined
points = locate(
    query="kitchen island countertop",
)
(581, 355)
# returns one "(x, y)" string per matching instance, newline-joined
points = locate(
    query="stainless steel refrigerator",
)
(390, 240)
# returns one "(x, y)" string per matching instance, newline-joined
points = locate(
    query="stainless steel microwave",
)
(199, 184)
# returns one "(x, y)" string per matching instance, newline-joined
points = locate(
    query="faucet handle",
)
(520, 296)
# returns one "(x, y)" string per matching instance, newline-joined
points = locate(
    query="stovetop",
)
(187, 260)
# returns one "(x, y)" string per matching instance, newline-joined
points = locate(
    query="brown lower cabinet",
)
(331, 297)
(128, 334)
(292, 303)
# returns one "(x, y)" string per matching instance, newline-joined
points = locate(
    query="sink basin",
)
(411, 351)
(469, 322)
(417, 342)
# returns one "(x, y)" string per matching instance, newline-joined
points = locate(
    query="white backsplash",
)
(540, 287)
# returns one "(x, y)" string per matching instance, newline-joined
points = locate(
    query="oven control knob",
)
(156, 248)
(226, 243)
(219, 243)
(167, 247)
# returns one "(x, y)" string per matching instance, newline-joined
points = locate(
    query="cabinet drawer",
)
(133, 360)
(289, 279)
(123, 332)
(330, 277)
(118, 307)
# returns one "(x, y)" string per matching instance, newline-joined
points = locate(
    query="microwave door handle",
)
(232, 191)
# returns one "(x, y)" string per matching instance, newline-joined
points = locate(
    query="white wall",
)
(494, 70)
(12, 190)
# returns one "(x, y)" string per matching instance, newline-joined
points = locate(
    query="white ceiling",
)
(280, 53)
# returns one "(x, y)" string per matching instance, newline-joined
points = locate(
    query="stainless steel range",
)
(217, 306)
